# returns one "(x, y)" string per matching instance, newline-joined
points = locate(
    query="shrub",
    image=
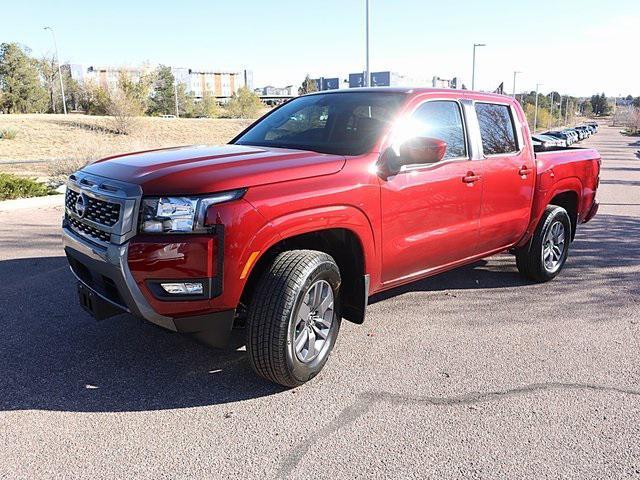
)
(82, 155)
(94, 99)
(67, 166)
(17, 187)
(207, 107)
(244, 104)
(123, 109)
(8, 134)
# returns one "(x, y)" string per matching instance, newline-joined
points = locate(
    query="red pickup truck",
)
(319, 204)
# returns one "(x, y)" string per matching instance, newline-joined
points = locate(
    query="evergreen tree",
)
(308, 86)
(20, 81)
(48, 69)
(162, 100)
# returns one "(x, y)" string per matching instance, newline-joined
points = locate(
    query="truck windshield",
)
(338, 123)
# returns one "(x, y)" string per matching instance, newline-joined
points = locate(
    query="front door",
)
(430, 213)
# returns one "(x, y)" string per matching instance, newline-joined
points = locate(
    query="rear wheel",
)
(294, 319)
(544, 256)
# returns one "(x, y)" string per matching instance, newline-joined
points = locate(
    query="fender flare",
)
(543, 199)
(312, 220)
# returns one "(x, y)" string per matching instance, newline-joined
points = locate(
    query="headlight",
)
(180, 214)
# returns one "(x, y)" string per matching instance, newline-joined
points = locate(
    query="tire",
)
(540, 260)
(282, 310)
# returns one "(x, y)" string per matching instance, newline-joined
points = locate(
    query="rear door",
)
(430, 212)
(509, 176)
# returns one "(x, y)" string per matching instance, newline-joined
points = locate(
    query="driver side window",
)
(442, 119)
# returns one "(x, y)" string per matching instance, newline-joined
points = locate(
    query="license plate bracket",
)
(95, 305)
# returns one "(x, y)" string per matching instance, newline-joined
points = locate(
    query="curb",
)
(34, 202)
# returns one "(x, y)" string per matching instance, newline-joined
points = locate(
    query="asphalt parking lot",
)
(476, 373)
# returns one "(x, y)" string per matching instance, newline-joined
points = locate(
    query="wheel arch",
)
(340, 232)
(567, 192)
(569, 200)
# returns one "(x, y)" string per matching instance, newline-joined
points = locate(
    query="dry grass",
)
(66, 142)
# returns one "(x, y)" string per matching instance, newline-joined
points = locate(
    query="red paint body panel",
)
(410, 225)
(154, 258)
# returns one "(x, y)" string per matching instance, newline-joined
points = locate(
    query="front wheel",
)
(294, 319)
(546, 253)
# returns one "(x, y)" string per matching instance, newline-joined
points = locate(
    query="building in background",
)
(324, 83)
(271, 91)
(217, 83)
(381, 79)
(455, 82)
(106, 76)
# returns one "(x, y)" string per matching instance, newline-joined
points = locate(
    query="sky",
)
(576, 47)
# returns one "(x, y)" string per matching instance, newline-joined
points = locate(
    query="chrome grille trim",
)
(97, 211)
(111, 210)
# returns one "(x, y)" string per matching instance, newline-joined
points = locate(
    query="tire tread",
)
(269, 311)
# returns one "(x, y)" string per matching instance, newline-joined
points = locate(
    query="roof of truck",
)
(410, 90)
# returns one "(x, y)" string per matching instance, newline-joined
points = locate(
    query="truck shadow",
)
(54, 357)
(605, 256)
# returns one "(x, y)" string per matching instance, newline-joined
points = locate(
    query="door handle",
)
(471, 178)
(524, 171)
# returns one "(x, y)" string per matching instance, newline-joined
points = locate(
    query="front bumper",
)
(105, 272)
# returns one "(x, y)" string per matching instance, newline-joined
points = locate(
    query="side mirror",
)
(415, 151)
(422, 150)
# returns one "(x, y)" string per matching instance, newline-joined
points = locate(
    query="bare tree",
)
(123, 111)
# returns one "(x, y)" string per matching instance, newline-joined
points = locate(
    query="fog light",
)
(193, 288)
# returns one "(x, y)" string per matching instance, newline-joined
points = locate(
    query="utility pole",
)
(367, 72)
(566, 112)
(55, 46)
(473, 68)
(535, 115)
(514, 83)
(550, 114)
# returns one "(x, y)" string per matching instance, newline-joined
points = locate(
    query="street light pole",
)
(367, 73)
(55, 45)
(514, 83)
(473, 70)
(535, 115)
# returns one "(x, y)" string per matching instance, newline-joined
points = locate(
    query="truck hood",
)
(204, 169)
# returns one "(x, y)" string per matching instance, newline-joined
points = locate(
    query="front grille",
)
(88, 231)
(99, 211)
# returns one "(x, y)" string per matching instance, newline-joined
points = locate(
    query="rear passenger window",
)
(441, 119)
(496, 128)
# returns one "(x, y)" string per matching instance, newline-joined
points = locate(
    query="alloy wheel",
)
(553, 247)
(313, 321)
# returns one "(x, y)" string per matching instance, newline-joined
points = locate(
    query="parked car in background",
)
(574, 135)
(566, 139)
(547, 141)
(593, 124)
(582, 133)
(586, 132)
(326, 200)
